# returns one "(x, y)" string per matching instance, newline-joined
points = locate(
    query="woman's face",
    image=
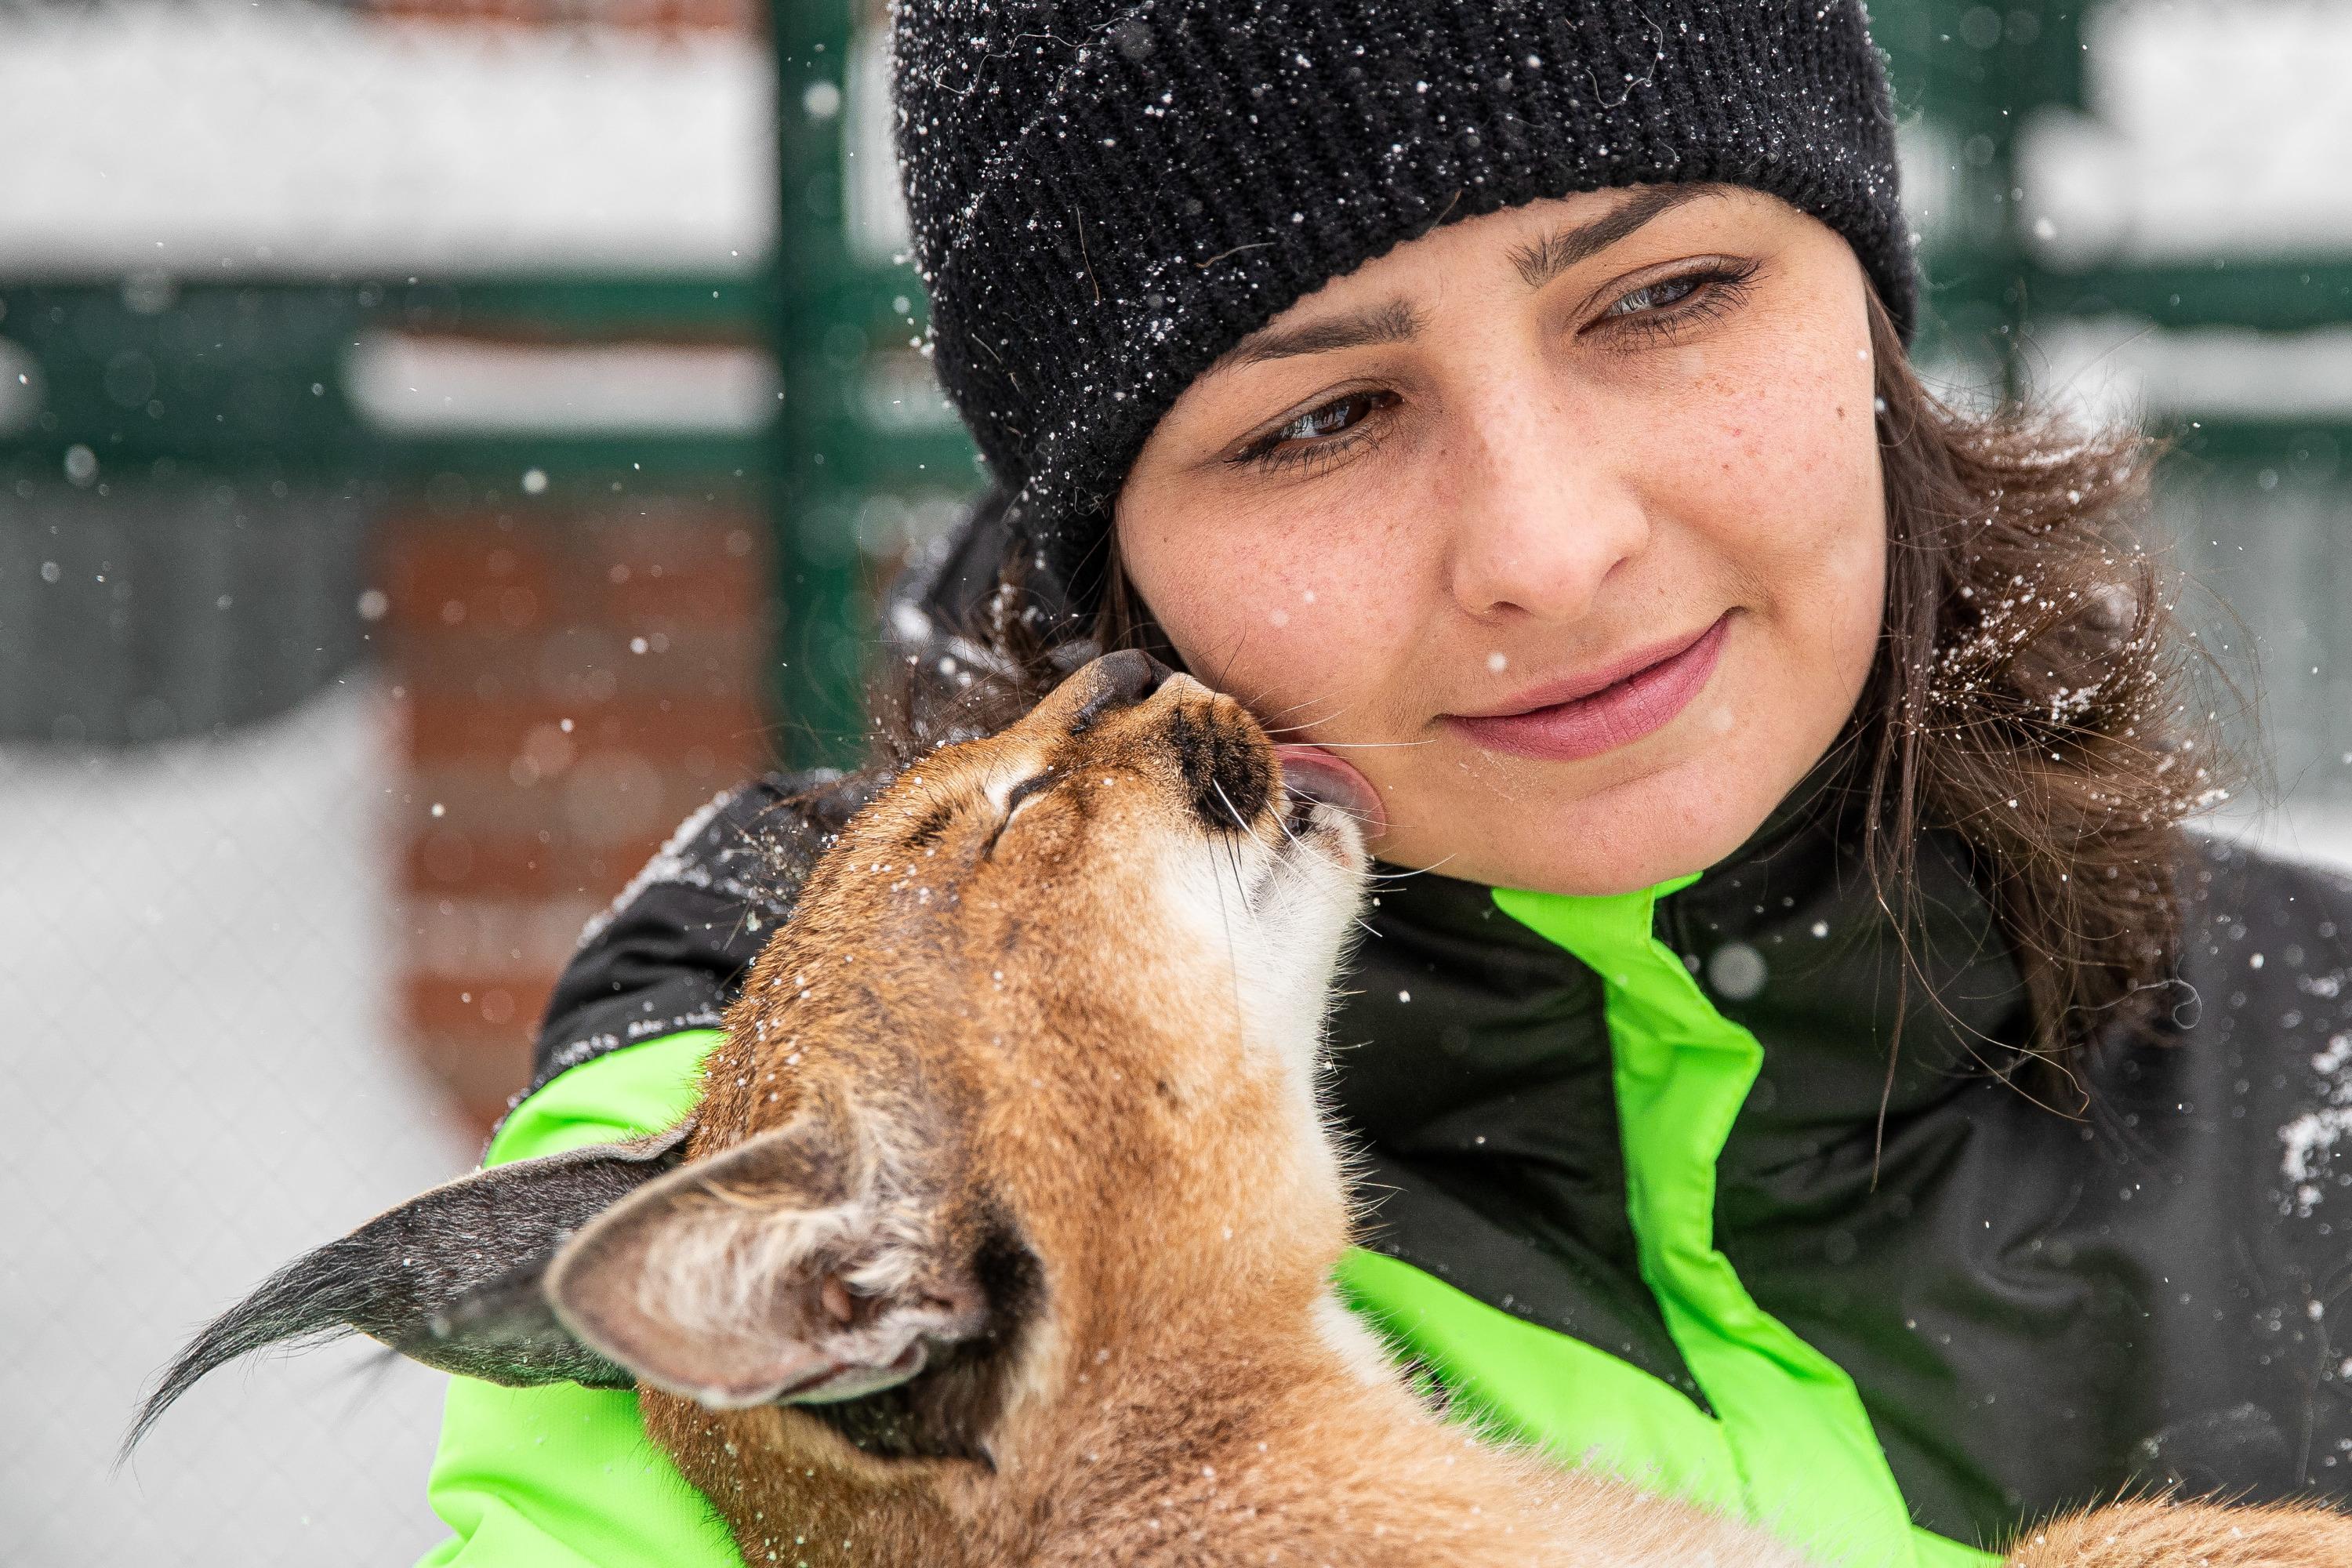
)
(1562, 524)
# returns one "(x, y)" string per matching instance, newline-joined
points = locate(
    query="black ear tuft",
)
(451, 1278)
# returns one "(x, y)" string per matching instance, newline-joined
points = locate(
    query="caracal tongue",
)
(1312, 771)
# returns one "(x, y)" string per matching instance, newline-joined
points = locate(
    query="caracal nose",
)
(1119, 679)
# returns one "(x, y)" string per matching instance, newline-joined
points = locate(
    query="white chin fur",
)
(1299, 917)
(1268, 920)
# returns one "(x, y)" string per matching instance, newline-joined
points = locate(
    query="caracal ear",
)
(791, 1267)
(450, 1277)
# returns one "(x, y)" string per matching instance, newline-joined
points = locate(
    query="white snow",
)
(1736, 969)
(2309, 1139)
(2314, 832)
(419, 383)
(2124, 368)
(214, 140)
(2215, 128)
(202, 1083)
(2319, 834)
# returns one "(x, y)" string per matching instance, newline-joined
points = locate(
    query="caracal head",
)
(1040, 1042)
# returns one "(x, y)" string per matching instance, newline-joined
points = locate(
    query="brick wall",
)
(572, 679)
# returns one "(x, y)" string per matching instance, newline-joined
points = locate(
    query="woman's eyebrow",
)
(1390, 323)
(1541, 260)
(1538, 262)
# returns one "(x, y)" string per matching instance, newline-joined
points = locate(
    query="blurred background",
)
(444, 442)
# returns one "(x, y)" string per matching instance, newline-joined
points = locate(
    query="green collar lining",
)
(1790, 1445)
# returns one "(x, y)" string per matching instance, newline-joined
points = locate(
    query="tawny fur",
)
(2157, 1534)
(1100, 1029)
(1086, 1032)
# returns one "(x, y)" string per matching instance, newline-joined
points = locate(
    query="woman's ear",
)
(451, 1278)
(791, 1268)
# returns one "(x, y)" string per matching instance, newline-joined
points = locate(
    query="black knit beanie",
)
(1106, 197)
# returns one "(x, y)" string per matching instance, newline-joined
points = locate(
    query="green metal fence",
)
(185, 500)
(180, 389)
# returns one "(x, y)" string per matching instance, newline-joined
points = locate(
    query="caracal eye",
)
(1020, 795)
(1025, 792)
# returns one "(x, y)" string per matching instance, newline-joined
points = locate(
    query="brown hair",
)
(2028, 698)
(2025, 698)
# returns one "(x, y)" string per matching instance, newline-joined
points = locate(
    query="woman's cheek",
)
(1277, 627)
(1779, 470)
(1783, 458)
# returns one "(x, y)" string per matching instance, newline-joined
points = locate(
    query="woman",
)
(1811, 1069)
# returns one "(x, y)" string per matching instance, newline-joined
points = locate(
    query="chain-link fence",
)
(202, 1055)
(383, 571)
(391, 453)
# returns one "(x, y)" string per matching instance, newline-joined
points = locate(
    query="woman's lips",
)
(1583, 717)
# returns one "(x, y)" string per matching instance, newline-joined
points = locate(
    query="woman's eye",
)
(1327, 420)
(1317, 433)
(1651, 296)
(1663, 307)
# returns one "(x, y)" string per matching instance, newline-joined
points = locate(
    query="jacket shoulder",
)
(2294, 913)
(2266, 963)
(670, 951)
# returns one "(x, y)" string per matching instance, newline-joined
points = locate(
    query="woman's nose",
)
(1540, 522)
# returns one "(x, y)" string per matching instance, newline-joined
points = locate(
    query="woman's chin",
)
(1630, 836)
(1589, 877)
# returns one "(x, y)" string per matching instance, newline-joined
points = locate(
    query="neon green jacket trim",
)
(564, 1476)
(561, 1476)
(1793, 1448)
